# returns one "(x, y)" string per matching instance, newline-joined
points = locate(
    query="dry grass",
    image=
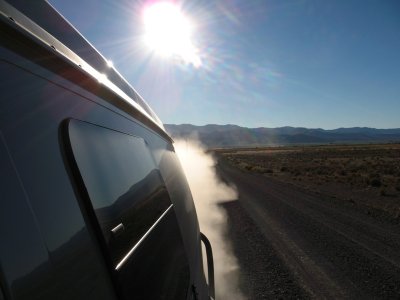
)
(367, 174)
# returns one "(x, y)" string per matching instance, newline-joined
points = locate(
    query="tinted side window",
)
(132, 208)
(122, 181)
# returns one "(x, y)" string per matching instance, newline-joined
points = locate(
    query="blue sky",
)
(266, 63)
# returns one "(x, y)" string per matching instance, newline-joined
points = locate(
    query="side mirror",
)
(210, 264)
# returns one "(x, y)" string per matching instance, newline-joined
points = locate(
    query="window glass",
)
(129, 201)
(124, 185)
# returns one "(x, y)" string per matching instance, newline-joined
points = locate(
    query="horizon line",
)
(287, 126)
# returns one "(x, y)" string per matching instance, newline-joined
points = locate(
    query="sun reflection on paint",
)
(102, 78)
(110, 64)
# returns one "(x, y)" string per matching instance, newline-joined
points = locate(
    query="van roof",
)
(43, 22)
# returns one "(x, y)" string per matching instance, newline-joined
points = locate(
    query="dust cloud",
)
(208, 190)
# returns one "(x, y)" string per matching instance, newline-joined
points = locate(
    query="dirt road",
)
(292, 244)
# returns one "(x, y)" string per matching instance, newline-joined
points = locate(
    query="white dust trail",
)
(208, 190)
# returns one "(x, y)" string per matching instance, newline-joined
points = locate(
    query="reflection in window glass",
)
(122, 181)
(128, 196)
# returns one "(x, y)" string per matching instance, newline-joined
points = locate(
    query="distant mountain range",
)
(236, 136)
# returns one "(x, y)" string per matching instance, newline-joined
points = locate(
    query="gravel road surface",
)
(292, 244)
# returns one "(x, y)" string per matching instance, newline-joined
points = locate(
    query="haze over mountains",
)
(236, 136)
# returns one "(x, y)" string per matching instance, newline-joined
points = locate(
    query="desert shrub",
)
(284, 169)
(244, 165)
(258, 169)
(389, 170)
(383, 192)
(375, 182)
(374, 175)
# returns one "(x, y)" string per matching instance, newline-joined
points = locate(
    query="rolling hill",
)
(236, 136)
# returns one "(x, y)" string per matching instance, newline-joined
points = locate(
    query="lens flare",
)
(168, 32)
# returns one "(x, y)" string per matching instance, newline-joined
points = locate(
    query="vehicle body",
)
(94, 203)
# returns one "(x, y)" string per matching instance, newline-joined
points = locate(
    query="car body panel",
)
(50, 230)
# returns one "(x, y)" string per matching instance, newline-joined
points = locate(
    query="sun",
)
(168, 32)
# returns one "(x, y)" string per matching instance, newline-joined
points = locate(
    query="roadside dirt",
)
(292, 243)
